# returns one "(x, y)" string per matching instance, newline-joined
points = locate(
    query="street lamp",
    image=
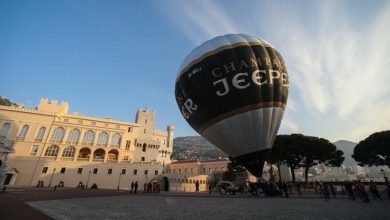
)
(89, 174)
(119, 182)
(54, 170)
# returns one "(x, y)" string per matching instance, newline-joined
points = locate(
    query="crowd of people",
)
(355, 190)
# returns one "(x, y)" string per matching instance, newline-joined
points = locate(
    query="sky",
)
(110, 58)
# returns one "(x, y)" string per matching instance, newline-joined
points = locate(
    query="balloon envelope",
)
(233, 91)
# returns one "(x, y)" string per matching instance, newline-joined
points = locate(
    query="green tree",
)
(374, 150)
(318, 151)
(287, 150)
(234, 168)
(297, 150)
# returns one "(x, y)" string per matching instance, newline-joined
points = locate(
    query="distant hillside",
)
(195, 147)
(347, 147)
(6, 102)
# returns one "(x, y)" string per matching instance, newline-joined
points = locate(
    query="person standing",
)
(362, 189)
(197, 186)
(132, 187)
(326, 191)
(374, 190)
(298, 185)
(210, 188)
(387, 185)
(135, 187)
(332, 189)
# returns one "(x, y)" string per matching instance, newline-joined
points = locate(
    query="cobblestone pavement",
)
(202, 206)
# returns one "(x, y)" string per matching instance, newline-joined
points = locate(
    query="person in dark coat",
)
(374, 190)
(132, 187)
(135, 187)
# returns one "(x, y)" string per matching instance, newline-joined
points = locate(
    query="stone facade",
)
(52, 145)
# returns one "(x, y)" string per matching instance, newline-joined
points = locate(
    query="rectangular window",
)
(79, 170)
(34, 149)
(156, 172)
(109, 172)
(128, 143)
(130, 130)
(135, 172)
(146, 172)
(145, 131)
(95, 170)
(63, 169)
(44, 169)
(179, 170)
(123, 171)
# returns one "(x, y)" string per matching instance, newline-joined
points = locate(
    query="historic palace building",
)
(48, 145)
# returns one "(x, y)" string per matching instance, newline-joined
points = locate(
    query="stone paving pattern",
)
(202, 206)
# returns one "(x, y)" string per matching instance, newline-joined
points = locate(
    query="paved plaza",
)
(102, 205)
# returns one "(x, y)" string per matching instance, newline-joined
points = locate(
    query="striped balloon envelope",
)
(233, 91)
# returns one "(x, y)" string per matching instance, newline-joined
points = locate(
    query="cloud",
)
(198, 20)
(337, 58)
(288, 126)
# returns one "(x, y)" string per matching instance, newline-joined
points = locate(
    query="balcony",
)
(72, 142)
(86, 144)
(83, 159)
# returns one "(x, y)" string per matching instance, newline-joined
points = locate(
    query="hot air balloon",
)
(233, 90)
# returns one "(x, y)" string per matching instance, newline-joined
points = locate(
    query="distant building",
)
(51, 145)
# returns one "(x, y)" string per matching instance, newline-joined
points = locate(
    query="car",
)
(227, 187)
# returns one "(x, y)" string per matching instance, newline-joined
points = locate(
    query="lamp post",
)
(119, 182)
(89, 174)
(54, 170)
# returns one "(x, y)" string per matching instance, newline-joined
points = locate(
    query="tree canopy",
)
(297, 150)
(374, 150)
(234, 168)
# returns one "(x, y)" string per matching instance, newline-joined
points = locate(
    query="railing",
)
(72, 142)
(20, 138)
(98, 159)
(83, 158)
(55, 141)
(101, 145)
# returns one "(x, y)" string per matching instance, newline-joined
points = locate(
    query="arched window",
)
(41, 133)
(89, 137)
(58, 134)
(5, 129)
(74, 135)
(23, 131)
(68, 152)
(116, 139)
(99, 154)
(103, 138)
(142, 158)
(52, 151)
(113, 155)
